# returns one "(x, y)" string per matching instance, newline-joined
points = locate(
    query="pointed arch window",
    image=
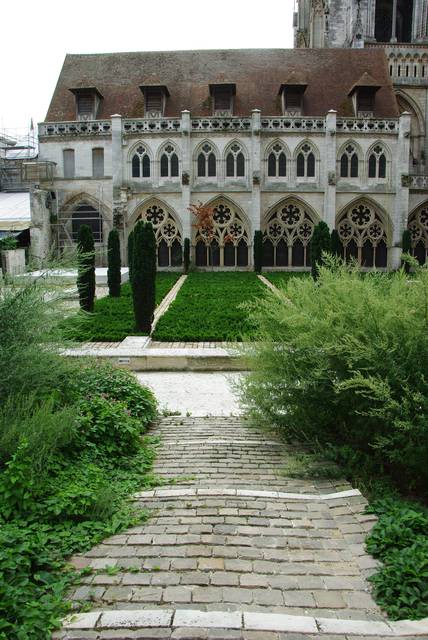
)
(349, 162)
(140, 165)
(418, 227)
(377, 163)
(229, 246)
(235, 162)
(169, 162)
(277, 162)
(168, 235)
(305, 163)
(287, 235)
(363, 235)
(207, 164)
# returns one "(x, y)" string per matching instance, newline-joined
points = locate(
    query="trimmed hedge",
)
(86, 268)
(208, 307)
(113, 318)
(113, 271)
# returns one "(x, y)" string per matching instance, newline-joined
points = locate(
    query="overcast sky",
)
(35, 36)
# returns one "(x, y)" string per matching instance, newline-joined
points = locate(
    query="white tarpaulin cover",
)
(15, 213)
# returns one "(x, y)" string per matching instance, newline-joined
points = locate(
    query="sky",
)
(35, 37)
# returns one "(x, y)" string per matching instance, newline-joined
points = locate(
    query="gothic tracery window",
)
(277, 162)
(229, 246)
(377, 163)
(168, 235)
(207, 163)
(169, 162)
(363, 236)
(235, 162)
(305, 162)
(286, 236)
(349, 162)
(418, 227)
(140, 163)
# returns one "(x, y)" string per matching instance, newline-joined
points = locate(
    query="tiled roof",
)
(258, 74)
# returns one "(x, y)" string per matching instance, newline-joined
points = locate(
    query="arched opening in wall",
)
(287, 233)
(418, 227)
(168, 234)
(363, 235)
(86, 214)
(229, 245)
(403, 24)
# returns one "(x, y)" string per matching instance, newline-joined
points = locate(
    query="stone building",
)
(399, 28)
(273, 140)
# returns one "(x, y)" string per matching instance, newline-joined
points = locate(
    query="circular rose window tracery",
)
(363, 235)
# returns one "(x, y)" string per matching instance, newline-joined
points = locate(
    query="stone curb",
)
(246, 620)
(166, 302)
(243, 493)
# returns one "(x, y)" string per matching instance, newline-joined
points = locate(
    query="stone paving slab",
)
(235, 549)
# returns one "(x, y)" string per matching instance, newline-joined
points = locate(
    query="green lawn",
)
(207, 308)
(113, 318)
(281, 278)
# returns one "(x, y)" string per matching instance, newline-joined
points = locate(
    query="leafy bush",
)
(258, 251)
(336, 245)
(343, 360)
(86, 268)
(208, 307)
(186, 255)
(143, 281)
(113, 318)
(320, 243)
(281, 278)
(113, 272)
(8, 243)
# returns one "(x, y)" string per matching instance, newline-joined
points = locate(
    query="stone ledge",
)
(243, 493)
(245, 620)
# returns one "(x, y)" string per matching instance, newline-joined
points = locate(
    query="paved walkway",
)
(234, 549)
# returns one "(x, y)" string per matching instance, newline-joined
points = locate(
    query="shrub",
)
(258, 251)
(7, 243)
(407, 248)
(336, 245)
(86, 268)
(130, 253)
(320, 243)
(186, 255)
(343, 360)
(144, 275)
(113, 272)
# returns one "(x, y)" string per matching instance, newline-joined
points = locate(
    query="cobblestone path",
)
(234, 549)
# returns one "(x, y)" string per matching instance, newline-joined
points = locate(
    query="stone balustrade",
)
(368, 125)
(419, 182)
(77, 128)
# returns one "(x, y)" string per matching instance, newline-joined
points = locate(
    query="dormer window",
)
(223, 98)
(87, 103)
(292, 98)
(154, 100)
(363, 95)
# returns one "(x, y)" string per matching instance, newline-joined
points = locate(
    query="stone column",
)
(328, 176)
(40, 231)
(401, 179)
(186, 173)
(255, 177)
(119, 197)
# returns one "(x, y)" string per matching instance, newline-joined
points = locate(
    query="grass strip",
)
(113, 318)
(208, 307)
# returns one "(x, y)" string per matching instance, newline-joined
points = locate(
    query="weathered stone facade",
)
(280, 171)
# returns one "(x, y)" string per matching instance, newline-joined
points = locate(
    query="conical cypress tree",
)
(130, 253)
(336, 245)
(407, 248)
(144, 275)
(113, 271)
(320, 242)
(86, 268)
(258, 251)
(186, 256)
